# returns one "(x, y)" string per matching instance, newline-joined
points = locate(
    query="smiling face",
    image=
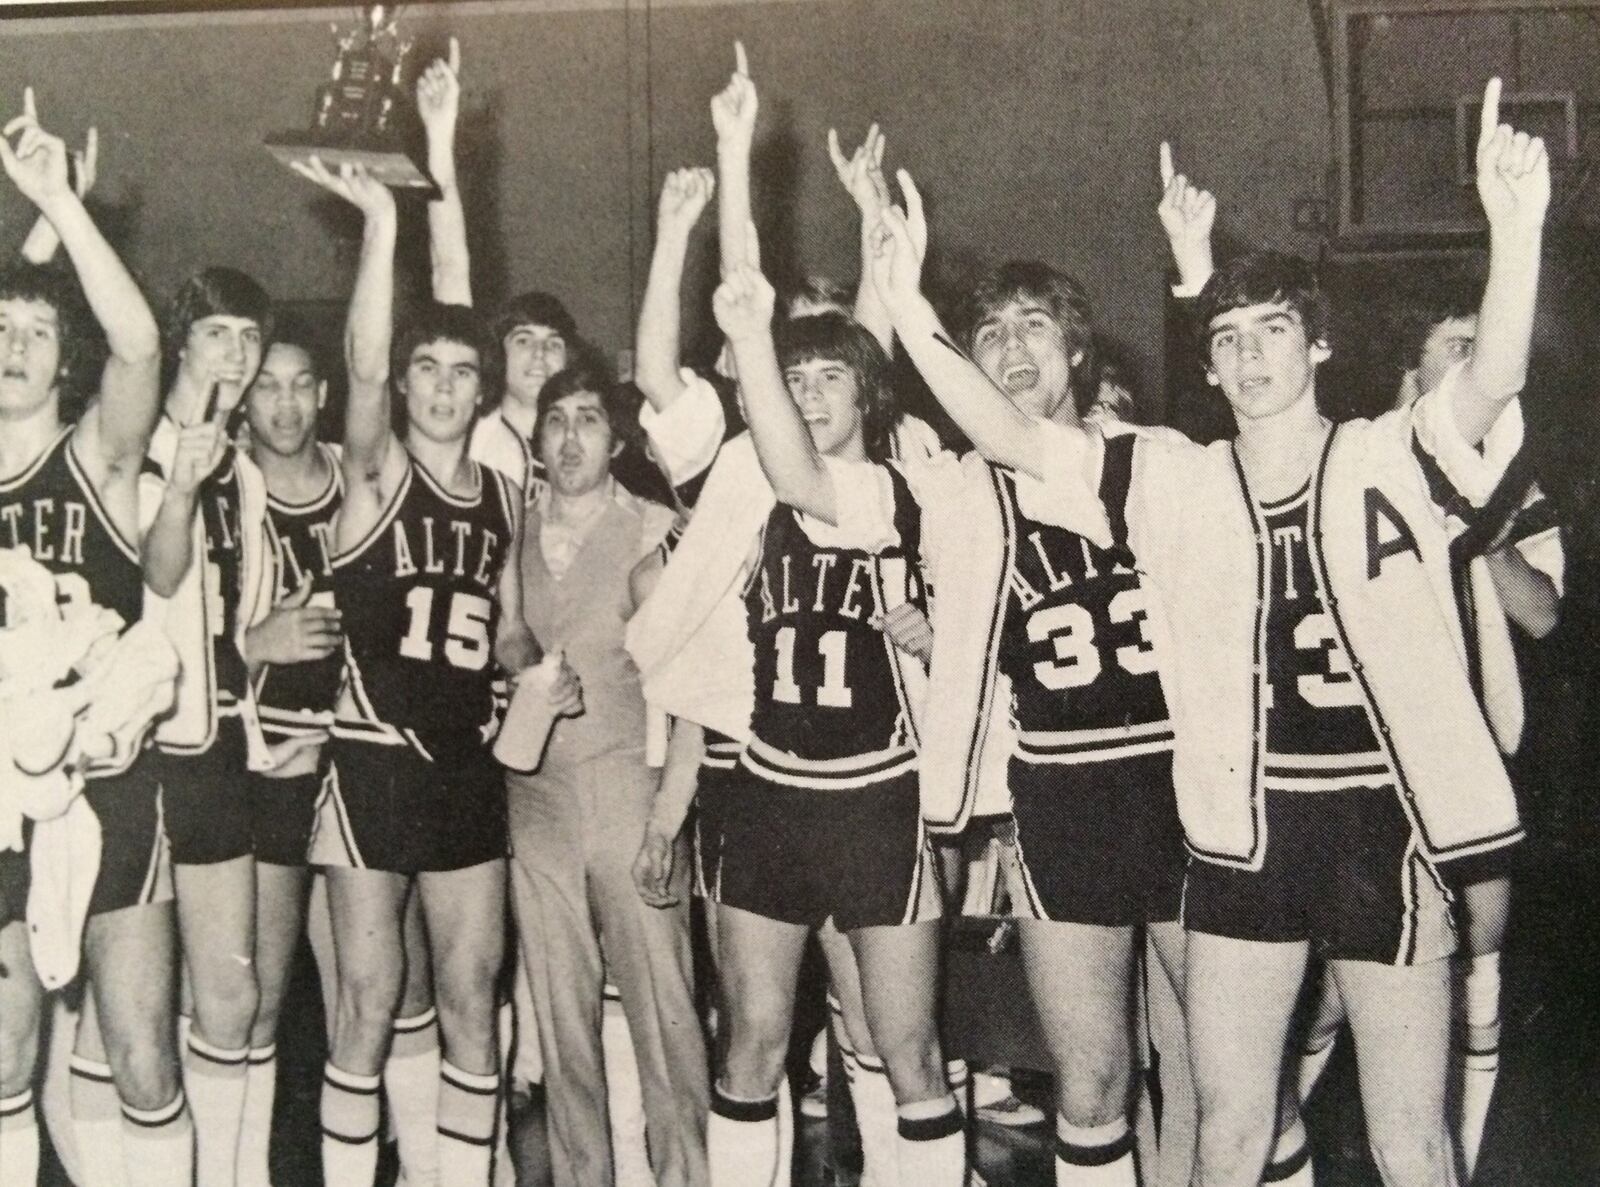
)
(533, 354)
(1262, 359)
(30, 355)
(576, 443)
(282, 404)
(442, 389)
(828, 394)
(224, 350)
(1023, 349)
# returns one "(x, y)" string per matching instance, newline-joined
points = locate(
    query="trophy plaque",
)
(361, 114)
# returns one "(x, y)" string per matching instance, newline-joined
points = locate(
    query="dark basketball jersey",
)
(829, 709)
(53, 511)
(1319, 733)
(1074, 644)
(298, 698)
(420, 602)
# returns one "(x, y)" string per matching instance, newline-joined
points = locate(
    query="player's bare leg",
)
(280, 914)
(1400, 1017)
(465, 913)
(21, 1008)
(1239, 999)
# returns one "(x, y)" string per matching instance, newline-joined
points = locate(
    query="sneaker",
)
(814, 1101)
(995, 1102)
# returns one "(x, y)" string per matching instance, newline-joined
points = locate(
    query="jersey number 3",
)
(466, 643)
(833, 693)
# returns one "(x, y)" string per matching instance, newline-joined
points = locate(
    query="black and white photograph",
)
(800, 593)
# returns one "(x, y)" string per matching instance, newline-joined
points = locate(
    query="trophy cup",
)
(360, 112)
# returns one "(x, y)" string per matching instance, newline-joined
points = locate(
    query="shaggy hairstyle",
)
(1262, 278)
(536, 309)
(617, 400)
(839, 339)
(1065, 298)
(817, 291)
(214, 292)
(1421, 311)
(79, 344)
(435, 322)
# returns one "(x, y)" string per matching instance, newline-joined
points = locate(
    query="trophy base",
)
(392, 166)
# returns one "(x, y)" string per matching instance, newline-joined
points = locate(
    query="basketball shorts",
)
(1097, 842)
(205, 801)
(388, 808)
(1480, 867)
(15, 878)
(135, 865)
(804, 855)
(281, 815)
(717, 779)
(1343, 871)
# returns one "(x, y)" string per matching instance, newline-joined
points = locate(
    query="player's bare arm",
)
(374, 458)
(733, 114)
(515, 648)
(861, 175)
(997, 428)
(167, 549)
(116, 432)
(743, 305)
(1529, 597)
(439, 105)
(1188, 214)
(684, 196)
(1514, 187)
(42, 243)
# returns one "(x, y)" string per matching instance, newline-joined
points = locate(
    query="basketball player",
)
(69, 495)
(827, 824)
(1316, 678)
(430, 607)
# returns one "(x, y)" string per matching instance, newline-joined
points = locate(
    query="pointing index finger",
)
(1166, 164)
(455, 55)
(1490, 119)
(29, 108)
(741, 61)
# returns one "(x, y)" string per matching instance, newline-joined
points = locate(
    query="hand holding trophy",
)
(359, 115)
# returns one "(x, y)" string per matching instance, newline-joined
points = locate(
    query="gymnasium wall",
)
(1032, 126)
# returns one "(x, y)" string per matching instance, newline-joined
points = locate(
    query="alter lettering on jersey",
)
(293, 566)
(450, 549)
(53, 533)
(1286, 537)
(1388, 534)
(825, 591)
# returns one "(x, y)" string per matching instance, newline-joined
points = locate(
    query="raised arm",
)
(733, 114)
(1514, 186)
(439, 105)
(42, 243)
(130, 398)
(997, 428)
(861, 174)
(684, 195)
(368, 435)
(1188, 214)
(743, 305)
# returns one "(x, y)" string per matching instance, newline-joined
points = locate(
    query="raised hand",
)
(1513, 170)
(896, 259)
(1188, 214)
(352, 183)
(861, 173)
(38, 162)
(743, 304)
(684, 195)
(733, 109)
(86, 163)
(200, 447)
(439, 93)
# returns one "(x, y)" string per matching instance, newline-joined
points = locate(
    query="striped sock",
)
(411, 1086)
(932, 1147)
(467, 1103)
(159, 1144)
(1094, 1156)
(876, 1119)
(255, 1129)
(215, 1079)
(1481, 996)
(19, 1139)
(349, 1127)
(742, 1140)
(1291, 1158)
(96, 1122)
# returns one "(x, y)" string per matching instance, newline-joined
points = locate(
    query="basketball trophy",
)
(361, 114)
